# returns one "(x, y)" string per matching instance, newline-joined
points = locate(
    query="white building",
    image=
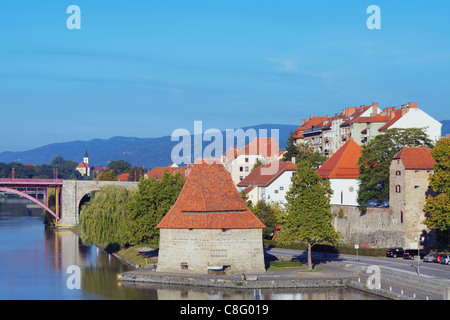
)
(241, 162)
(410, 116)
(268, 186)
(342, 171)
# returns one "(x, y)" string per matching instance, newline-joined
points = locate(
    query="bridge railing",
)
(34, 182)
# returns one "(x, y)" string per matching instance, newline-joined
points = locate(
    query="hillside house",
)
(342, 171)
(268, 187)
(266, 150)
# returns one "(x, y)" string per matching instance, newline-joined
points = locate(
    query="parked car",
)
(373, 203)
(438, 257)
(394, 252)
(385, 204)
(412, 253)
(445, 259)
(430, 257)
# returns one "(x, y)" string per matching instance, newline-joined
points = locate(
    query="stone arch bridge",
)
(68, 193)
(74, 190)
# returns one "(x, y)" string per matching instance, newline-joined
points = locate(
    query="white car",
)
(445, 259)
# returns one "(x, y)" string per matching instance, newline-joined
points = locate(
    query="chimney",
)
(348, 111)
(413, 105)
(375, 107)
(310, 117)
(404, 110)
(303, 122)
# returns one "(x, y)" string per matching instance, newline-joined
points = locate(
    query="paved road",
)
(426, 268)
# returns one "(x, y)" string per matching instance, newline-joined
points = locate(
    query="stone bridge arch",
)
(74, 190)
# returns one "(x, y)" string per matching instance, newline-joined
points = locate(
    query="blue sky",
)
(145, 68)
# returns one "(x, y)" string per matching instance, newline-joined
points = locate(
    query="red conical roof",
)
(343, 164)
(209, 200)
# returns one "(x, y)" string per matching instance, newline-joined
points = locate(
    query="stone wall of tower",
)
(194, 250)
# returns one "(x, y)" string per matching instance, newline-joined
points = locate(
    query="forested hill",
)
(146, 152)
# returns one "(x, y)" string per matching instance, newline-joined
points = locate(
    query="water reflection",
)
(34, 262)
(178, 292)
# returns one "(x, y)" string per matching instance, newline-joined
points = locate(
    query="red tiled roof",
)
(83, 165)
(394, 119)
(343, 163)
(298, 133)
(158, 172)
(355, 115)
(261, 146)
(256, 178)
(123, 177)
(209, 200)
(377, 118)
(416, 158)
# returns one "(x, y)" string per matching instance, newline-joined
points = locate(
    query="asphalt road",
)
(426, 268)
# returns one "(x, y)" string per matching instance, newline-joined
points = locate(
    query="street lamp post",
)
(418, 253)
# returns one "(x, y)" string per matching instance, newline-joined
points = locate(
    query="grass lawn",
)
(289, 266)
(134, 256)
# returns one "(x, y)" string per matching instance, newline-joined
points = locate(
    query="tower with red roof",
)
(209, 228)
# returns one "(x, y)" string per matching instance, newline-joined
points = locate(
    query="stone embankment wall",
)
(375, 228)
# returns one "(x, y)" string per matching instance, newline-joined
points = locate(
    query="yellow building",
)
(83, 167)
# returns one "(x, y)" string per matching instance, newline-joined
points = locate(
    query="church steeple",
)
(86, 157)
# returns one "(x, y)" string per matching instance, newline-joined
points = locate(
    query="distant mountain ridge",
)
(445, 127)
(146, 152)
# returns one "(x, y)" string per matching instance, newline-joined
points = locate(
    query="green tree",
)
(245, 197)
(308, 217)
(303, 152)
(266, 213)
(376, 158)
(256, 165)
(119, 166)
(103, 219)
(107, 176)
(149, 205)
(66, 168)
(136, 173)
(437, 206)
(291, 148)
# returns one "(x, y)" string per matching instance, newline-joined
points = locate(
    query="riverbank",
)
(130, 256)
(288, 279)
(327, 273)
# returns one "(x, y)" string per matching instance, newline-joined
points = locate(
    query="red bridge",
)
(22, 187)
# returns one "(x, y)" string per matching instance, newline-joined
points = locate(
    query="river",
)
(37, 263)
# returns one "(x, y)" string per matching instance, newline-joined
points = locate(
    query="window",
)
(241, 169)
(281, 188)
(246, 159)
(398, 189)
(241, 178)
(276, 191)
(246, 169)
(184, 266)
(398, 173)
(342, 197)
(401, 217)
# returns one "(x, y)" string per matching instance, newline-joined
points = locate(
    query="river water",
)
(37, 263)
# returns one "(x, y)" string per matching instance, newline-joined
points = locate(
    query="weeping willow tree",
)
(50, 220)
(103, 220)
